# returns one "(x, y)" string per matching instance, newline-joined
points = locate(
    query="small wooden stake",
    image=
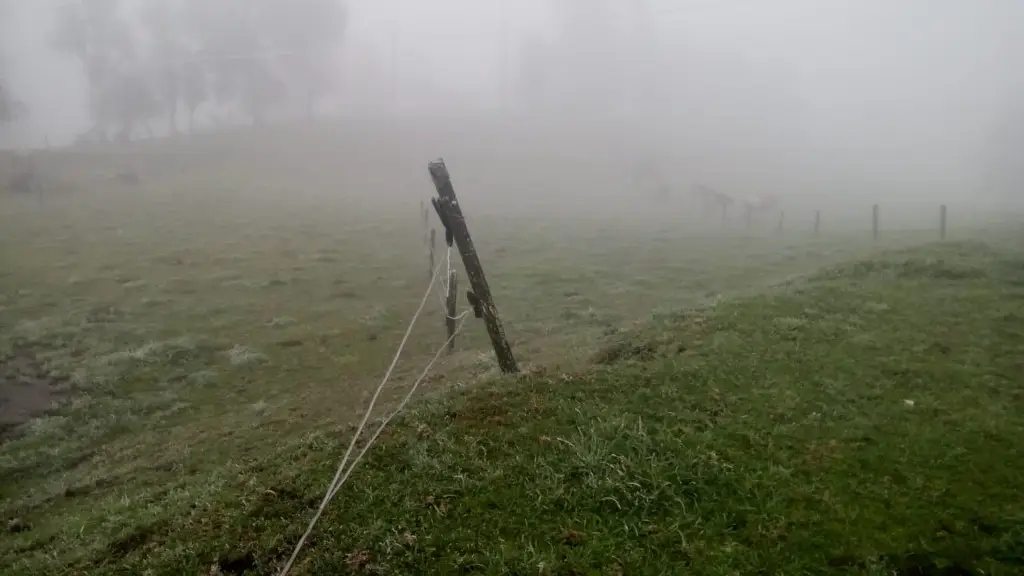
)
(433, 242)
(425, 215)
(817, 222)
(450, 304)
(874, 222)
(942, 222)
(450, 213)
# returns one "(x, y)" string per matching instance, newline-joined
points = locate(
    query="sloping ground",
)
(864, 420)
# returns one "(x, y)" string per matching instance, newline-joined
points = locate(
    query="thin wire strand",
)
(446, 284)
(401, 405)
(405, 400)
(366, 416)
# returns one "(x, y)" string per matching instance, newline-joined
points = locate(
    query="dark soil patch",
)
(26, 392)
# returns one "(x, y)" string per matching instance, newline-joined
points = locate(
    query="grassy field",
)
(694, 401)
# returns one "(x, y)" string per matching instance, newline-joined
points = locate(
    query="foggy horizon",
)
(800, 95)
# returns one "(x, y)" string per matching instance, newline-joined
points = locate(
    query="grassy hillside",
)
(865, 419)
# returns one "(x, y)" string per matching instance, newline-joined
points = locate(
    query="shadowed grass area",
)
(864, 419)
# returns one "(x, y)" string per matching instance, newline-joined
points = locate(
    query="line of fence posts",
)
(875, 211)
(450, 214)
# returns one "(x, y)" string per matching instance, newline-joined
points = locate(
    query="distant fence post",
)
(433, 242)
(450, 213)
(425, 216)
(817, 222)
(874, 222)
(450, 305)
(942, 222)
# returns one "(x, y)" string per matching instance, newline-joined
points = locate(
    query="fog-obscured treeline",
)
(155, 62)
(794, 95)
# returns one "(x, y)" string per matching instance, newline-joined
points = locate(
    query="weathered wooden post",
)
(817, 222)
(874, 222)
(433, 242)
(450, 212)
(942, 222)
(450, 305)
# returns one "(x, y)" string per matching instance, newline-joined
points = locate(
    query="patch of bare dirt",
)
(26, 392)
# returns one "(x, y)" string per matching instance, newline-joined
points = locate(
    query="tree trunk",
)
(125, 134)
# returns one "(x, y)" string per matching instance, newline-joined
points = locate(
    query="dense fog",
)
(797, 98)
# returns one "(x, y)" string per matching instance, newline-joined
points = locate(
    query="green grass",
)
(865, 420)
(214, 350)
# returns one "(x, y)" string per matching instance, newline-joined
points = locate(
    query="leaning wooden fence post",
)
(874, 222)
(450, 305)
(450, 212)
(942, 222)
(817, 222)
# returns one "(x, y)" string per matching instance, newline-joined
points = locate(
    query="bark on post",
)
(450, 213)
(450, 305)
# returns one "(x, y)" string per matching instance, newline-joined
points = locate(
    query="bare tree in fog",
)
(11, 108)
(263, 54)
(168, 57)
(256, 56)
(308, 31)
(231, 48)
(193, 88)
(94, 32)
